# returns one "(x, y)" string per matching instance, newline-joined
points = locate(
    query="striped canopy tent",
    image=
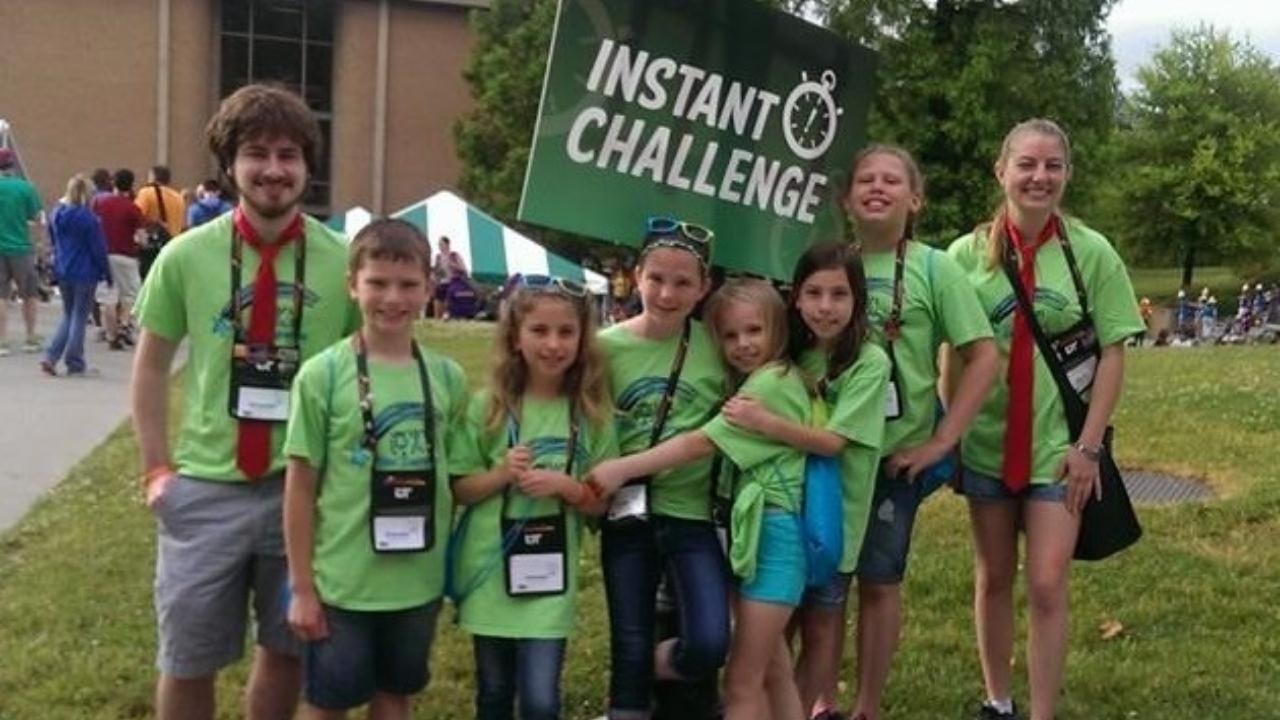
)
(491, 250)
(350, 222)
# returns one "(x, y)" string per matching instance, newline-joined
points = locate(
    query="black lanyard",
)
(299, 278)
(893, 325)
(571, 449)
(668, 395)
(364, 387)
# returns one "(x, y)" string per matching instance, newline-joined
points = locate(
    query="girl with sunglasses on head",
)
(542, 424)
(766, 547)
(1022, 467)
(666, 378)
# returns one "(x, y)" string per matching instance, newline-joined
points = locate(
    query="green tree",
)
(955, 75)
(1198, 163)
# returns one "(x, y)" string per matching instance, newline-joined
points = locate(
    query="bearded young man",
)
(255, 292)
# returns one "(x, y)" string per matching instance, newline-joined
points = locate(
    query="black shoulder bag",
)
(1108, 523)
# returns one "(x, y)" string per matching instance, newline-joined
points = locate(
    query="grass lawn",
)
(1161, 284)
(1196, 598)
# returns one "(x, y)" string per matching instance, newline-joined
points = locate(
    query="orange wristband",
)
(154, 474)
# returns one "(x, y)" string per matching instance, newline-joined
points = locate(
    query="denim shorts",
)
(368, 652)
(781, 569)
(885, 547)
(980, 487)
(829, 597)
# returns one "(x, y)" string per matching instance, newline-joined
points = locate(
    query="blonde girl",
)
(544, 421)
(1022, 468)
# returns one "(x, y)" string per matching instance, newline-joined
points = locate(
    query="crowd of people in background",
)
(102, 237)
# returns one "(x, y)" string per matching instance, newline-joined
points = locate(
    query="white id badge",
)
(536, 573)
(631, 501)
(259, 403)
(892, 401)
(1081, 375)
(405, 532)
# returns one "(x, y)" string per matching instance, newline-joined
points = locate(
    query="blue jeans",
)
(634, 559)
(518, 669)
(369, 652)
(68, 341)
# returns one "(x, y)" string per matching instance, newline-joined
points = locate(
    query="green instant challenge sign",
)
(720, 112)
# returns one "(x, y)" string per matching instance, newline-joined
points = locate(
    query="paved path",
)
(48, 424)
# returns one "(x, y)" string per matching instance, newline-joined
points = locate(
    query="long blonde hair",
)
(760, 294)
(585, 382)
(993, 230)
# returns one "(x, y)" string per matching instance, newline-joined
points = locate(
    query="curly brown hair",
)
(586, 380)
(258, 111)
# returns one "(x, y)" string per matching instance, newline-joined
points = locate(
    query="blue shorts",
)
(980, 487)
(781, 569)
(830, 597)
(368, 652)
(883, 559)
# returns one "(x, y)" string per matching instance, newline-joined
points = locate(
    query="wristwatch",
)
(1092, 454)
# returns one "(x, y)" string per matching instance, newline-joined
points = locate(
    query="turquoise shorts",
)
(781, 570)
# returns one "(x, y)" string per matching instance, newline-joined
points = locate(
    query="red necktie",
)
(1016, 469)
(253, 446)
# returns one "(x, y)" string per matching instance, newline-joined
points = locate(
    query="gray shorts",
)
(21, 271)
(220, 546)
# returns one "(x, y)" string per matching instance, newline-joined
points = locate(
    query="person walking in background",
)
(208, 205)
(1022, 468)
(218, 498)
(122, 223)
(165, 212)
(80, 263)
(101, 185)
(20, 209)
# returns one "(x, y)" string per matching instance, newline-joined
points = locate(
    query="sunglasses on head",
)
(551, 284)
(666, 231)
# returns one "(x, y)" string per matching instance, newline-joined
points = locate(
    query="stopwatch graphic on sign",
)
(810, 115)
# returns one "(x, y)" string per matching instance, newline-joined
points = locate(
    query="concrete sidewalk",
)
(47, 424)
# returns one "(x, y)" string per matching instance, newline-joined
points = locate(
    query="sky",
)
(1140, 27)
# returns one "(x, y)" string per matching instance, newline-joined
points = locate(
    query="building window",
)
(289, 42)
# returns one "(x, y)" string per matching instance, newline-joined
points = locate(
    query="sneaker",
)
(116, 344)
(5, 349)
(32, 345)
(48, 368)
(988, 712)
(830, 714)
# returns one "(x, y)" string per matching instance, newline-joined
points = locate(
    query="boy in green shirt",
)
(367, 504)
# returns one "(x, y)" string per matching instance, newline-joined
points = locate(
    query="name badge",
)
(892, 400)
(402, 517)
(535, 559)
(630, 503)
(260, 378)
(1077, 350)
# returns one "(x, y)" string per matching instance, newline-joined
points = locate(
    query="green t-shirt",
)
(326, 428)
(938, 306)
(187, 294)
(638, 372)
(1115, 314)
(19, 204)
(855, 402)
(778, 468)
(485, 608)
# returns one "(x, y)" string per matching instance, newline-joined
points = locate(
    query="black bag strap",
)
(1076, 409)
(164, 217)
(1076, 278)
